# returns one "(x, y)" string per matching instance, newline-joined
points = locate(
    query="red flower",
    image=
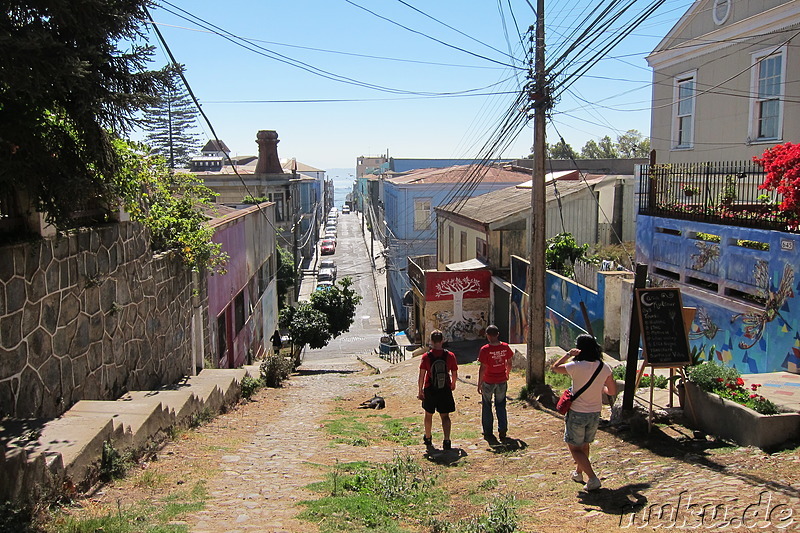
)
(739, 381)
(645, 375)
(754, 395)
(730, 385)
(755, 386)
(719, 380)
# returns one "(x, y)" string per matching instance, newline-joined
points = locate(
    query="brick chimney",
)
(268, 162)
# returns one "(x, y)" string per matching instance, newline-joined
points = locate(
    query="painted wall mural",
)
(750, 316)
(518, 307)
(457, 303)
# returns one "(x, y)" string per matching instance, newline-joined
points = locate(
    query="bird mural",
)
(754, 323)
(705, 326)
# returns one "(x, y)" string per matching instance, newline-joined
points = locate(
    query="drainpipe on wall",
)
(198, 353)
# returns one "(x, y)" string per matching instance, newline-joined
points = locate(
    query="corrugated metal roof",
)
(497, 205)
(458, 174)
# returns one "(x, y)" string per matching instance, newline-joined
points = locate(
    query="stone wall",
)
(90, 315)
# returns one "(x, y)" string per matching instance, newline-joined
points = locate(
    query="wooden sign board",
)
(661, 320)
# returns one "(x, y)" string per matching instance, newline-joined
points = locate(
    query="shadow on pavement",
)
(444, 457)
(693, 448)
(620, 501)
(312, 371)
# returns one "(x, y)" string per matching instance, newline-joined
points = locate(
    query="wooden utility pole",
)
(539, 96)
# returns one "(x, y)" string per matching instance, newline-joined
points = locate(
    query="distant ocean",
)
(343, 179)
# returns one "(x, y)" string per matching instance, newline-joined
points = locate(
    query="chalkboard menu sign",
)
(662, 326)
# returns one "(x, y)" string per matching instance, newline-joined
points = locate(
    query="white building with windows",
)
(726, 81)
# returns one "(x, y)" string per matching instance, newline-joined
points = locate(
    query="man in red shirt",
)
(438, 372)
(495, 359)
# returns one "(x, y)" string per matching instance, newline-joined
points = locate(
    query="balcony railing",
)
(717, 193)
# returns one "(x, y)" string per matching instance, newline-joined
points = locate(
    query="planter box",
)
(732, 421)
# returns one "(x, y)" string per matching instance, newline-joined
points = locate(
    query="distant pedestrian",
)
(438, 372)
(277, 343)
(584, 415)
(495, 359)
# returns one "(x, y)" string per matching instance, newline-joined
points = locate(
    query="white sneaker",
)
(577, 477)
(593, 484)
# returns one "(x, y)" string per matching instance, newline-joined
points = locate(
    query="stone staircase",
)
(40, 456)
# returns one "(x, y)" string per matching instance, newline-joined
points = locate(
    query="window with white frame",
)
(683, 126)
(767, 88)
(422, 213)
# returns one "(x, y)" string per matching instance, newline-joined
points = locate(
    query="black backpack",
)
(439, 376)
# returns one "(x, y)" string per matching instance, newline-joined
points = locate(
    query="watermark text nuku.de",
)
(682, 513)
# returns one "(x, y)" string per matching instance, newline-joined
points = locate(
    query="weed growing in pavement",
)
(373, 496)
(204, 416)
(500, 517)
(113, 464)
(152, 516)
(275, 370)
(151, 479)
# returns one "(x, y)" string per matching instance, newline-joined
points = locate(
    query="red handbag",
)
(565, 402)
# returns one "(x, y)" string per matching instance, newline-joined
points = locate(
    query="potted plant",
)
(690, 190)
(719, 402)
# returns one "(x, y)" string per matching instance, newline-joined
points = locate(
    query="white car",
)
(346, 210)
(329, 264)
(326, 274)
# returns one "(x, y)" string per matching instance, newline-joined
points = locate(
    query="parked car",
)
(326, 274)
(323, 285)
(330, 233)
(345, 209)
(330, 220)
(328, 246)
(329, 264)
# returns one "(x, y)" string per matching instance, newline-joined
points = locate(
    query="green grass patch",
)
(500, 517)
(366, 496)
(144, 517)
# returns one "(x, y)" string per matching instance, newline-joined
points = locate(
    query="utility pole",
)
(539, 94)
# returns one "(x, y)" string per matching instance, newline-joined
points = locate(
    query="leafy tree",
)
(605, 149)
(632, 144)
(171, 123)
(339, 305)
(329, 314)
(66, 90)
(286, 275)
(306, 325)
(561, 150)
(169, 204)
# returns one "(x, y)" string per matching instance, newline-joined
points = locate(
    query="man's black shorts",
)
(438, 400)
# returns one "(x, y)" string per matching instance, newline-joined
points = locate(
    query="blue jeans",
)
(498, 390)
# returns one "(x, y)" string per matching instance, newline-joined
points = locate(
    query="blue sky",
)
(328, 124)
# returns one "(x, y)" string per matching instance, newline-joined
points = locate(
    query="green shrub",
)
(113, 464)
(249, 386)
(727, 383)
(707, 375)
(660, 382)
(274, 370)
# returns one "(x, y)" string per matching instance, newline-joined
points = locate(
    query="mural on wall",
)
(457, 303)
(775, 303)
(518, 307)
(704, 326)
(753, 334)
(707, 253)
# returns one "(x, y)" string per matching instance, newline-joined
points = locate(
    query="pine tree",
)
(171, 124)
(73, 76)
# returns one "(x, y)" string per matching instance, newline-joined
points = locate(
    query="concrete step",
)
(39, 454)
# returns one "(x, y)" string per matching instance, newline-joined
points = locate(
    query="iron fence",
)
(717, 193)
